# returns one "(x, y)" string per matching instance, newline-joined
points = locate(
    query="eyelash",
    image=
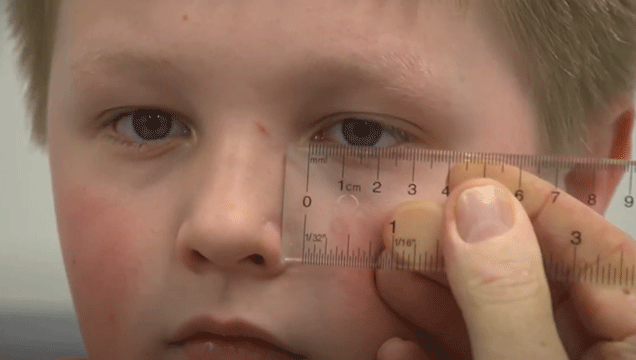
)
(122, 141)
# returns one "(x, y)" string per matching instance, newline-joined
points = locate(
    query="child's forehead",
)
(324, 17)
(414, 59)
(366, 39)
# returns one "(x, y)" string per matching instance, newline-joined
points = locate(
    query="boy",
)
(167, 122)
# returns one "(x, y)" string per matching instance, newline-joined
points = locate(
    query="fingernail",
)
(483, 212)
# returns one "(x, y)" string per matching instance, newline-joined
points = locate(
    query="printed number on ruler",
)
(336, 201)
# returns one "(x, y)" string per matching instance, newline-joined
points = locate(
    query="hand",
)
(494, 300)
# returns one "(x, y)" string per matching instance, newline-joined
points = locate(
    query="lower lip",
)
(216, 349)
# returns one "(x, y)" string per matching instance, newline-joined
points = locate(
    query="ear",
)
(610, 137)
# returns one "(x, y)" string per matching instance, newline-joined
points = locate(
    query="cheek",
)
(102, 262)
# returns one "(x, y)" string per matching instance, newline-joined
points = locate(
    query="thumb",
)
(398, 349)
(494, 267)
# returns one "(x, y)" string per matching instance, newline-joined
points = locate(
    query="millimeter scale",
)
(339, 204)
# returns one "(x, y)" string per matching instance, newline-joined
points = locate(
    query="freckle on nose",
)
(261, 128)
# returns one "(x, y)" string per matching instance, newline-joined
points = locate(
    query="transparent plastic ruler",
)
(339, 202)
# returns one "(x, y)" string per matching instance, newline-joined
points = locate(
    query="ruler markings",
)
(614, 279)
(621, 268)
(573, 272)
(413, 171)
(436, 252)
(348, 256)
(326, 239)
(574, 262)
(336, 257)
(631, 172)
(414, 252)
(603, 275)
(343, 166)
(308, 162)
(425, 260)
(304, 234)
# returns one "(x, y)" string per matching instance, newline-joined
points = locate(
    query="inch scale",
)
(339, 202)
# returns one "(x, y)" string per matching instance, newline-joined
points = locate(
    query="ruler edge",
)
(416, 153)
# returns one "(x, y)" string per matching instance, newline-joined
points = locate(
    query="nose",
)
(232, 222)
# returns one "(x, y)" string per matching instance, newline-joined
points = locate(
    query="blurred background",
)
(37, 319)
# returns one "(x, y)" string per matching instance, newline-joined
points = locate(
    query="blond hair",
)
(575, 55)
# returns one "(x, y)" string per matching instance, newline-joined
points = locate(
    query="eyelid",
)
(113, 120)
(395, 124)
(114, 117)
(412, 131)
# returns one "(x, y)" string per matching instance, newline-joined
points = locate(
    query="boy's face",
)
(152, 237)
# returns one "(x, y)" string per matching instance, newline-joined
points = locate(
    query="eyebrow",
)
(122, 61)
(119, 58)
(406, 75)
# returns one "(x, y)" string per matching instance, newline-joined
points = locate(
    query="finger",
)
(398, 349)
(429, 305)
(605, 313)
(619, 350)
(494, 266)
(573, 237)
(414, 294)
(604, 254)
(425, 301)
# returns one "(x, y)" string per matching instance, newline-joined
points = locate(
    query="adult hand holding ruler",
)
(344, 205)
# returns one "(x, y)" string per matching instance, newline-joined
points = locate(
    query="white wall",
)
(33, 276)
(31, 265)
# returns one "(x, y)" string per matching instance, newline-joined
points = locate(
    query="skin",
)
(152, 237)
(593, 322)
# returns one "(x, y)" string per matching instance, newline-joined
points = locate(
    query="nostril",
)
(198, 256)
(258, 259)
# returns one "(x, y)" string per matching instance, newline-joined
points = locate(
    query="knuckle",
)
(510, 283)
(611, 350)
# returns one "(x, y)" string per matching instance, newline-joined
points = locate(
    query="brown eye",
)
(359, 132)
(149, 126)
(152, 125)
